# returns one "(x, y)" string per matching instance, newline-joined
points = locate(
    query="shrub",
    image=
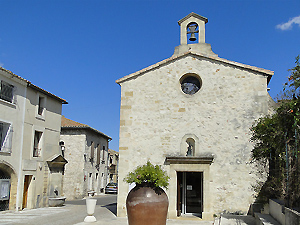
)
(148, 173)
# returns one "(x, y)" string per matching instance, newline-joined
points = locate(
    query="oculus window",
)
(190, 84)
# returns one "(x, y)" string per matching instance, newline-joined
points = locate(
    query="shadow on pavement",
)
(238, 219)
(111, 207)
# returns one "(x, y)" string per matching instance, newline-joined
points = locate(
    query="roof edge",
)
(29, 84)
(63, 101)
(14, 75)
(87, 127)
(266, 72)
(194, 15)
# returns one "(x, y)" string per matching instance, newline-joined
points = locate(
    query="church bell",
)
(193, 29)
(193, 37)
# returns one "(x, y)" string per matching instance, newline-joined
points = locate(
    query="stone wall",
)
(156, 115)
(73, 176)
(77, 177)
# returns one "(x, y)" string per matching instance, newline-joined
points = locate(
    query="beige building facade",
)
(113, 162)
(30, 155)
(191, 114)
(12, 108)
(86, 150)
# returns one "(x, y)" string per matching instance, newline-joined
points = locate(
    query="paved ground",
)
(74, 212)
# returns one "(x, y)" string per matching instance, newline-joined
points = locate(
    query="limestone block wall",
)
(74, 169)
(96, 177)
(156, 116)
(81, 173)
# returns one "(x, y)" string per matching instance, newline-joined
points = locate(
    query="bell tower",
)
(192, 35)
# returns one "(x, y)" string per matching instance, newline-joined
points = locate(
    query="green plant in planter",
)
(148, 173)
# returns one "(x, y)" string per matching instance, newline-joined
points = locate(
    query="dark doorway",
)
(4, 190)
(189, 193)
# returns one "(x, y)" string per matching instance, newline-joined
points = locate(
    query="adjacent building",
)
(191, 114)
(31, 164)
(113, 162)
(86, 150)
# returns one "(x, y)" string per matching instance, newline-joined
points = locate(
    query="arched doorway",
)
(8, 186)
(4, 190)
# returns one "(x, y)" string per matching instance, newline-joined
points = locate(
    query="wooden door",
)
(25, 193)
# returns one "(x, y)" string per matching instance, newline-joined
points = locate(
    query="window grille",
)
(6, 91)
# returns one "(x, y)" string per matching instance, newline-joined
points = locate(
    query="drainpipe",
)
(20, 175)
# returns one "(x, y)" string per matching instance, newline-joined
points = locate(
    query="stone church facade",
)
(191, 114)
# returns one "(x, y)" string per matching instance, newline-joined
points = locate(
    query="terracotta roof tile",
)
(70, 124)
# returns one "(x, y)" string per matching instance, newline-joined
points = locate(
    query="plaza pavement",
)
(225, 220)
(105, 215)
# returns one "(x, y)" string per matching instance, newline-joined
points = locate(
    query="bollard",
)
(90, 208)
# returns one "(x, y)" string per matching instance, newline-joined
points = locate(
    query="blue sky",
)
(76, 49)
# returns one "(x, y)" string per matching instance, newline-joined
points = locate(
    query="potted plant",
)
(147, 203)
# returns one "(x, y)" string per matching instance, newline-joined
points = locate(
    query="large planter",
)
(147, 205)
(56, 201)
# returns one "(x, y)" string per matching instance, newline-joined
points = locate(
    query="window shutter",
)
(92, 150)
(1, 136)
(98, 154)
(14, 100)
(7, 143)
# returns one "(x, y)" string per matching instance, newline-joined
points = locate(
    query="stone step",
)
(265, 219)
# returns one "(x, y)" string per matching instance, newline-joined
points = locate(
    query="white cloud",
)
(288, 25)
(1, 64)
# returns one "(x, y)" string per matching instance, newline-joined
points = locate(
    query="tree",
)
(276, 145)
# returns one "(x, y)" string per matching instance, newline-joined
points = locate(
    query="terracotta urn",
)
(147, 205)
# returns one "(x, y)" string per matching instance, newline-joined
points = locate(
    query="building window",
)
(190, 83)
(190, 147)
(7, 91)
(41, 105)
(37, 143)
(103, 154)
(98, 154)
(92, 151)
(6, 132)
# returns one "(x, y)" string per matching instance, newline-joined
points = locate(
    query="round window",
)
(190, 84)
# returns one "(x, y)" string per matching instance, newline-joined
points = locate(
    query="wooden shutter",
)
(92, 150)
(98, 154)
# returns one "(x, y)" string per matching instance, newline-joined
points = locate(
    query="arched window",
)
(190, 147)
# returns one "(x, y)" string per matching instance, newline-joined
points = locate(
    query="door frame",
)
(27, 181)
(182, 193)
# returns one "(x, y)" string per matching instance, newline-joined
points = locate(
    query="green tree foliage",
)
(148, 173)
(294, 78)
(276, 145)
